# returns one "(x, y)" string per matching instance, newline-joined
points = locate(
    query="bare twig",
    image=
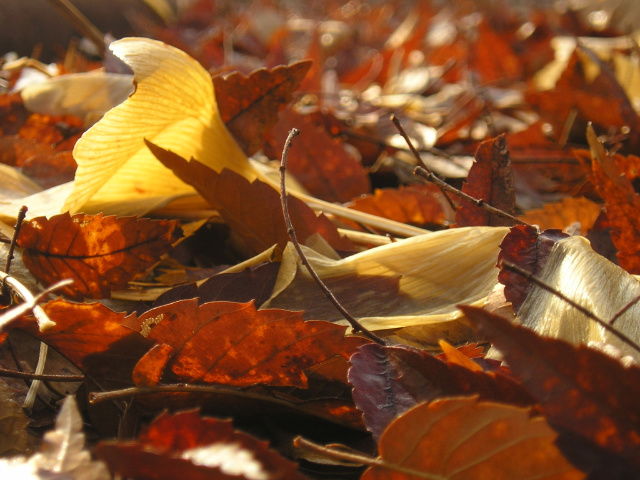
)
(624, 309)
(427, 174)
(417, 156)
(585, 311)
(12, 246)
(355, 324)
(46, 377)
(81, 23)
(359, 459)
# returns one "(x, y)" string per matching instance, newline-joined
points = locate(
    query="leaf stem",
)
(12, 246)
(355, 324)
(360, 459)
(545, 286)
(81, 23)
(428, 175)
(44, 377)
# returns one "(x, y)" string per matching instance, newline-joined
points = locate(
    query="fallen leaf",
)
(174, 106)
(318, 161)
(388, 381)
(463, 438)
(528, 249)
(249, 105)
(490, 179)
(251, 209)
(13, 425)
(99, 253)
(622, 204)
(580, 389)
(186, 445)
(415, 281)
(566, 212)
(233, 344)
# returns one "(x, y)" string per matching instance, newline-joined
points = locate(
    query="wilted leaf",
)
(493, 56)
(251, 209)
(13, 425)
(529, 249)
(185, 445)
(64, 455)
(581, 390)
(318, 161)
(593, 282)
(417, 206)
(249, 105)
(174, 106)
(566, 212)
(233, 344)
(99, 253)
(462, 438)
(622, 204)
(388, 381)
(490, 179)
(415, 281)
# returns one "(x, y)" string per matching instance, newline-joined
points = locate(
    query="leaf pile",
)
(503, 314)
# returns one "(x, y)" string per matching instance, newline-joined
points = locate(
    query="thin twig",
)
(608, 327)
(359, 459)
(81, 23)
(45, 377)
(477, 202)
(624, 309)
(417, 156)
(355, 324)
(12, 246)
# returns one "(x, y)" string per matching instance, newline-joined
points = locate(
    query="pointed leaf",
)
(185, 445)
(580, 389)
(249, 105)
(462, 438)
(99, 253)
(233, 344)
(491, 180)
(388, 381)
(251, 209)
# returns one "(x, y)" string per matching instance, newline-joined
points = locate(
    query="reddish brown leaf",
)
(414, 205)
(388, 381)
(493, 57)
(562, 214)
(490, 179)
(233, 344)
(525, 247)
(581, 390)
(99, 253)
(92, 337)
(252, 210)
(188, 446)
(461, 438)
(622, 205)
(49, 170)
(249, 105)
(318, 161)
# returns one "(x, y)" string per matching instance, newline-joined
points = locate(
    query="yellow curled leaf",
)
(173, 106)
(416, 281)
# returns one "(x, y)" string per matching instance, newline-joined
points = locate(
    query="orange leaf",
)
(490, 179)
(249, 105)
(99, 253)
(251, 209)
(461, 438)
(233, 344)
(317, 160)
(564, 213)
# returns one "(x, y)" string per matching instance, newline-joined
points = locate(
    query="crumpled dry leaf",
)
(64, 457)
(590, 280)
(13, 424)
(416, 281)
(173, 106)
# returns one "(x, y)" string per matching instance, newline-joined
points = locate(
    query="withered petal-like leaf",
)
(249, 105)
(251, 209)
(233, 344)
(388, 381)
(186, 445)
(580, 389)
(491, 180)
(99, 253)
(462, 438)
(318, 161)
(525, 247)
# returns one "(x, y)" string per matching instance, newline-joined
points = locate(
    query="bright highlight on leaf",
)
(173, 106)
